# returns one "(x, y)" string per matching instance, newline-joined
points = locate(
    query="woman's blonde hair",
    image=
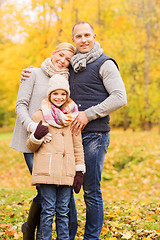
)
(65, 46)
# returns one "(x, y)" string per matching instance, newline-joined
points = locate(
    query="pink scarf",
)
(57, 117)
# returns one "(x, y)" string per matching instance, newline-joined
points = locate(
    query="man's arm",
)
(115, 87)
(26, 72)
(117, 97)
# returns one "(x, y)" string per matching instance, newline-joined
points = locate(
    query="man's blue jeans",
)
(95, 147)
(55, 199)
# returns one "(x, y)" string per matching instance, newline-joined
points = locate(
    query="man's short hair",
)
(82, 22)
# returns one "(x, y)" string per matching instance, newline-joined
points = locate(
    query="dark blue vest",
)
(87, 90)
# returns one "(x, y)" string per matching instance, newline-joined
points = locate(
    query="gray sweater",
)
(33, 90)
(114, 85)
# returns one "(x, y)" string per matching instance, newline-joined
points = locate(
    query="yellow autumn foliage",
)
(127, 30)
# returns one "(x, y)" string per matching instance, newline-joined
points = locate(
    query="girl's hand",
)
(78, 181)
(41, 131)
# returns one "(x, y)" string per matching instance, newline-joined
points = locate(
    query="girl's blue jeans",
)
(73, 222)
(55, 199)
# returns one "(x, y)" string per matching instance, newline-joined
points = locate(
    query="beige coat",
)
(57, 161)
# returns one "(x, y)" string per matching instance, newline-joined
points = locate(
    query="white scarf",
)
(80, 60)
(50, 69)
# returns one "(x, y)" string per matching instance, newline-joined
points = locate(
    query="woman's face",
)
(58, 97)
(61, 59)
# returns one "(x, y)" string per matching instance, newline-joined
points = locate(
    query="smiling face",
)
(61, 59)
(84, 37)
(58, 97)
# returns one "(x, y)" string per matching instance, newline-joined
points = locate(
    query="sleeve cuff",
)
(81, 168)
(89, 114)
(28, 127)
(36, 141)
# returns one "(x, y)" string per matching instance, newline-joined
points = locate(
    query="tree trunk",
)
(146, 68)
(125, 122)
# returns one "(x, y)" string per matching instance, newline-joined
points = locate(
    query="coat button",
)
(63, 154)
(62, 133)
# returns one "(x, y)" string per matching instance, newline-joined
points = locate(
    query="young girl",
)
(59, 164)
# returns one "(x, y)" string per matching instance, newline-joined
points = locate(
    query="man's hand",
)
(79, 123)
(25, 73)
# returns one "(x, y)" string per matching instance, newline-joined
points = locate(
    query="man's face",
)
(84, 37)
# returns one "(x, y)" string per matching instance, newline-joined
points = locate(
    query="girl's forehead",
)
(59, 90)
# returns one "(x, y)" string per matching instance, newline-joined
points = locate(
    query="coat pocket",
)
(43, 164)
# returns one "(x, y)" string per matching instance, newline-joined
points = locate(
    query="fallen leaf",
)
(10, 232)
(127, 235)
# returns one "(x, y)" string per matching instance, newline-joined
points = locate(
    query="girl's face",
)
(61, 59)
(58, 97)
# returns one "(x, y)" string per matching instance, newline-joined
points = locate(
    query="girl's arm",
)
(32, 143)
(79, 153)
(35, 140)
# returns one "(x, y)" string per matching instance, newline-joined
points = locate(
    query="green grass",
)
(5, 135)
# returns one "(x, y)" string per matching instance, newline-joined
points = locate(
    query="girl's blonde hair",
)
(65, 46)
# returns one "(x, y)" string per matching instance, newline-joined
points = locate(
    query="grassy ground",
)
(130, 186)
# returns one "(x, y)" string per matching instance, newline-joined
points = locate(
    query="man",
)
(97, 88)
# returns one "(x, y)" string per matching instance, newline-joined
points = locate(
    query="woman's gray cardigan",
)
(31, 92)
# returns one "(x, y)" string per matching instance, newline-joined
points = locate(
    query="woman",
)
(31, 92)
